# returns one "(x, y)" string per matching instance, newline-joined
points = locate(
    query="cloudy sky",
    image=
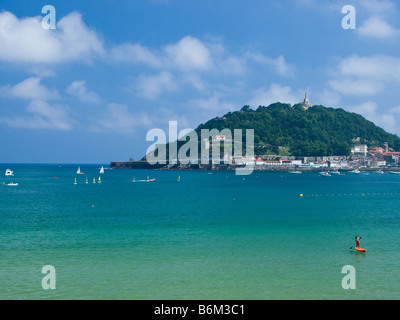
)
(89, 90)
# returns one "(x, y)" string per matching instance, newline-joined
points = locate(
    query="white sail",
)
(102, 170)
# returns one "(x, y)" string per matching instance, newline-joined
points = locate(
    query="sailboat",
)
(75, 181)
(79, 171)
(94, 180)
(86, 180)
(147, 180)
(102, 170)
(179, 178)
(99, 180)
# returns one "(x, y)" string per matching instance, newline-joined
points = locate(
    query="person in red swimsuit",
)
(358, 242)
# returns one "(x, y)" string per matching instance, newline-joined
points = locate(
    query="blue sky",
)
(90, 90)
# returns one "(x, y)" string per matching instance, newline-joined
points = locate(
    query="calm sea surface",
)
(208, 236)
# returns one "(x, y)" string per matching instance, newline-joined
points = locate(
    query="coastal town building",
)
(376, 150)
(360, 149)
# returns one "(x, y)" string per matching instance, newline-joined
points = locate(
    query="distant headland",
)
(286, 138)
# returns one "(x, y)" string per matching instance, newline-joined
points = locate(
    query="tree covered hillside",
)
(318, 131)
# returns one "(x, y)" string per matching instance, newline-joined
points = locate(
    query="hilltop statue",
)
(306, 104)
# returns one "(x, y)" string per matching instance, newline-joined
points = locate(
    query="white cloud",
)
(31, 89)
(381, 7)
(150, 87)
(42, 115)
(328, 98)
(356, 87)
(378, 66)
(196, 82)
(188, 54)
(24, 40)
(275, 93)
(371, 111)
(378, 28)
(136, 53)
(213, 103)
(366, 109)
(365, 76)
(118, 118)
(395, 110)
(78, 89)
(279, 64)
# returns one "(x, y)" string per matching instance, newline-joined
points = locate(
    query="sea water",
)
(207, 235)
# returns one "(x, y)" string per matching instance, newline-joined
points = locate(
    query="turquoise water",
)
(208, 236)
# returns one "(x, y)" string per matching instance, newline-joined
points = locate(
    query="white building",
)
(359, 149)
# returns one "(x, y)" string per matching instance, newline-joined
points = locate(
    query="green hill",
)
(318, 131)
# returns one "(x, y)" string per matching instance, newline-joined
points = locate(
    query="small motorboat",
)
(324, 174)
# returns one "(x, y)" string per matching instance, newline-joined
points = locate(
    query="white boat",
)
(12, 184)
(295, 172)
(334, 172)
(79, 171)
(394, 172)
(102, 170)
(355, 171)
(379, 172)
(99, 180)
(324, 174)
(75, 181)
(9, 173)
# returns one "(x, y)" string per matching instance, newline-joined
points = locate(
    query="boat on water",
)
(75, 181)
(12, 184)
(355, 171)
(94, 180)
(79, 171)
(324, 174)
(99, 181)
(86, 182)
(147, 180)
(334, 172)
(379, 172)
(9, 173)
(295, 172)
(395, 172)
(102, 170)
